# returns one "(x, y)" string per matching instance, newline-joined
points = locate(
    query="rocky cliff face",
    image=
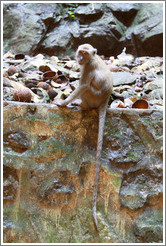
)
(57, 29)
(49, 164)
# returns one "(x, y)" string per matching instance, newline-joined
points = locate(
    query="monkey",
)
(94, 90)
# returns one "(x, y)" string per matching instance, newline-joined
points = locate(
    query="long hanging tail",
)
(102, 115)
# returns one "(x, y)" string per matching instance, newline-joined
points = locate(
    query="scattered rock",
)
(123, 78)
(63, 78)
(6, 82)
(12, 70)
(117, 104)
(155, 84)
(22, 95)
(8, 93)
(52, 94)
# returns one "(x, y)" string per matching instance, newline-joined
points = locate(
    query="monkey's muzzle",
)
(80, 59)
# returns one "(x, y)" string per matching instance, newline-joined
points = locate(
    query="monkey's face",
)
(85, 53)
(83, 57)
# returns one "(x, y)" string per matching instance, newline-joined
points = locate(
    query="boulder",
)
(125, 13)
(57, 29)
(146, 31)
(26, 24)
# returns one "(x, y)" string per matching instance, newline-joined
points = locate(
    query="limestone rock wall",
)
(49, 164)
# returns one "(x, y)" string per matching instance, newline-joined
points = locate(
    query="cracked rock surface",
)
(49, 167)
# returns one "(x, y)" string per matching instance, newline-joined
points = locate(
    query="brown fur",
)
(95, 88)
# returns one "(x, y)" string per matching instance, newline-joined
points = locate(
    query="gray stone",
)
(149, 226)
(124, 12)
(155, 84)
(89, 13)
(57, 29)
(148, 21)
(123, 78)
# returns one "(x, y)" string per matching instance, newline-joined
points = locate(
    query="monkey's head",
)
(85, 53)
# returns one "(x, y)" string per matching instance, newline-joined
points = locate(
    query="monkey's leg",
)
(84, 105)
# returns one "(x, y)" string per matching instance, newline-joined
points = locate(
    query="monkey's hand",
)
(60, 103)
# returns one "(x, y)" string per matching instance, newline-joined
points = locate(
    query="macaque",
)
(94, 90)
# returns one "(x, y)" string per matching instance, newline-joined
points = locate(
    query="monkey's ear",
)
(94, 51)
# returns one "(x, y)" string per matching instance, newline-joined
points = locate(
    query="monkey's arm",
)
(76, 94)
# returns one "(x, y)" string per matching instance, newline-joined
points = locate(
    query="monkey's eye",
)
(84, 52)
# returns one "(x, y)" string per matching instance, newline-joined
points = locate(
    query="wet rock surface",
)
(48, 187)
(18, 141)
(148, 228)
